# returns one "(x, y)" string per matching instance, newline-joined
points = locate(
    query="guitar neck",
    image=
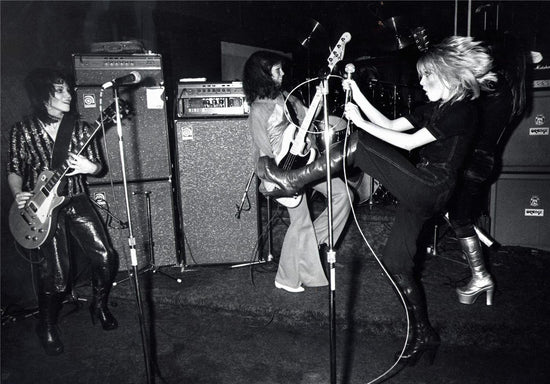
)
(308, 119)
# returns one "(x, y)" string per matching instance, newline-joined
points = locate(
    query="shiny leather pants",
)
(78, 223)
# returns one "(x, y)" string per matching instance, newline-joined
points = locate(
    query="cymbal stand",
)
(151, 263)
(132, 242)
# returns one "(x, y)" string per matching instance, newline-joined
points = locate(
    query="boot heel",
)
(490, 293)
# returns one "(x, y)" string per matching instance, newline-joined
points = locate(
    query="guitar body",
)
(294, 151)
(31, 225)
(293, 155)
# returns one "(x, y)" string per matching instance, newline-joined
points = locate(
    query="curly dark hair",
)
(39, 85)
(257, 80)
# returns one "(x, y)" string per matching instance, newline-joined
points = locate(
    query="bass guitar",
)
(294, 151)
(32, 225)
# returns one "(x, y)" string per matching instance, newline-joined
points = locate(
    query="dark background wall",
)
(188, 34)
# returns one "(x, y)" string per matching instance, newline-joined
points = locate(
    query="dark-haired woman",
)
(452, 74)
(44, 141)
(299, 263)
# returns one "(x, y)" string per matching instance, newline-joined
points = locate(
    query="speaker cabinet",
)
(215, 165)
(520, 210)
(145, 133)
(527, 149)
(112, 207)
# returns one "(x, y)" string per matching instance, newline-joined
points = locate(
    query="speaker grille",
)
(113, 201)
(215, 164)
(527, 149)
(520, 210)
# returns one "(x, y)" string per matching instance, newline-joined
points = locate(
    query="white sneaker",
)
(289, 289)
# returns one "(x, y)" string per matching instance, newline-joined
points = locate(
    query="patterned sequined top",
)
(31, 149)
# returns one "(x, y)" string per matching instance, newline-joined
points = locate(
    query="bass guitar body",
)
(291, 156)
(32, 224)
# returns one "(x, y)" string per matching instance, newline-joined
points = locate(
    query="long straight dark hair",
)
(257, 80)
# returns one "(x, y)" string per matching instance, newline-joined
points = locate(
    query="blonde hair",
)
(462, 64)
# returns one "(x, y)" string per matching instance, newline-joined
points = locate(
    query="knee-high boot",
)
(481, 280)
(49, 305)
(101, 286)
(423, 340)
(100, 310)
(291, 182)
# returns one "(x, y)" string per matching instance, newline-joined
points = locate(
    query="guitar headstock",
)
(337, 53)
(421, 40)
(108, 116)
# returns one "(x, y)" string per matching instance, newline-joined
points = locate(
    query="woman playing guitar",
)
(299, 264)
(43, 142)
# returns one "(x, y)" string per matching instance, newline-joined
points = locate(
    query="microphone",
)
(349, 69)
(131, 78)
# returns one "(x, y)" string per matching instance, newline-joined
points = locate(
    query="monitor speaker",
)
(154, 232)
(520, 210)
(215, 165)
(526, 150)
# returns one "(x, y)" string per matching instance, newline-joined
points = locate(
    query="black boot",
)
(99, 309)
(46, 329)
(423, 340)
(291, 182)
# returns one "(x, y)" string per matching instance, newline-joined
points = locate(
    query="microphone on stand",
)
(349, 69)
(131, 78)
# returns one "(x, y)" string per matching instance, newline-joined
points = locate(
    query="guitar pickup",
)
(28, 218)
(33, 207)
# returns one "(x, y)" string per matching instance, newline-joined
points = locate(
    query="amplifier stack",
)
(520, 198)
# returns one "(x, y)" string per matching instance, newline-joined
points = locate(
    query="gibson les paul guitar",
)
(294, 151)
(32, 225)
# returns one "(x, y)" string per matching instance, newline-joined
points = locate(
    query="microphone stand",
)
(132, 241)
(331, 254)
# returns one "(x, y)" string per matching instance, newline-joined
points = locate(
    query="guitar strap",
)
(62, 141)
(61, 149)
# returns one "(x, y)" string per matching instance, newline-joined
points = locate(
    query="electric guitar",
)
(32, 225)
(294, 151)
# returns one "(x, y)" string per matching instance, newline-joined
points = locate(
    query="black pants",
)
(470, 194)
(422, 192)
(77, 221)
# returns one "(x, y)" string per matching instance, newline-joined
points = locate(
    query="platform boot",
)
(481, 280)
(292, 182)
(49, 305)
(423, 339)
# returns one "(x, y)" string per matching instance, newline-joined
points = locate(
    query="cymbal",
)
(308, 34)
(395, 32)
(316, 30)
